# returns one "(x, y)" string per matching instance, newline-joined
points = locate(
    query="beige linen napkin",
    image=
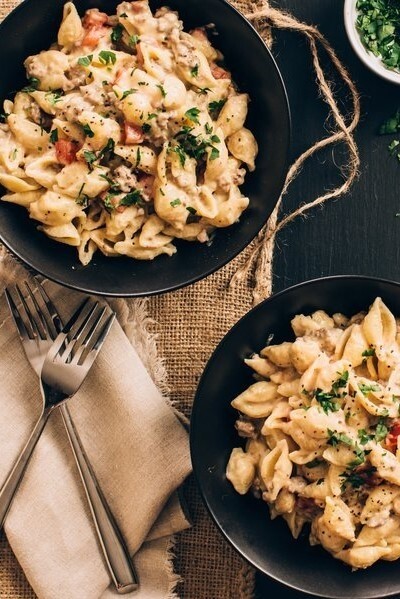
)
(136, 445)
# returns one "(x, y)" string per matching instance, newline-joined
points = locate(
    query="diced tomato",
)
(133, 133)
(94, 18)
(93, 36)
(200, 34)
(66, 151)
(219, 72)
(391, 439)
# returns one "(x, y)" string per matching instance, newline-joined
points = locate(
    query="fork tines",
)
(82, 337)
(36, 315)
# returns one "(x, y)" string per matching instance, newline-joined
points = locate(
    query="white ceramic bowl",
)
(370, 60)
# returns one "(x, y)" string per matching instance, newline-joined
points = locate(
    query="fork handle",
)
(111, 541)
(9, 489)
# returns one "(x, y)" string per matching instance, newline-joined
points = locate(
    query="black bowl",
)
(32, 27)
(244, 520)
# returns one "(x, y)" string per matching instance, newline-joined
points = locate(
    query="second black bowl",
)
(244, 520)
(33, 27)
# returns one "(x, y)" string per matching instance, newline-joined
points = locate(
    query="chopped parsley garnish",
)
(82, 199)
(85, 61)
(193, 115)
(216, 107)
(378, 24)
(208, 128)
(133, 198)
(391, 125)
(54, 96)
(194, 71)
(146, 127)
(162, 90)
(392, 147)
(214, 154)
(176, 202)
(381, 430)
(326, 400)
(108, 150)
(335, 438)
(215, 139)
(128, 92)
(33, 84)
(89, 156)
(364, 437)
(87, 130)
(54, 136)
(107, 57)
(133, 40)
(341, 381)
(365, 389)
(204, 90)
(116, 34)
(368, 352)
(356, 479)
(109, 203)
(181, 153)
(192, 210)
(314, 463)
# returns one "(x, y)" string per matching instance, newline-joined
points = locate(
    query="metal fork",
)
(38, 323)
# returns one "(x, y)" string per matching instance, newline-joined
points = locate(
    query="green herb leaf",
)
(176, 202)
(194, 71)
(108, 151)
(381, 430)
(391, 125)
(146, 127)
(365, 389)
(128, 92)
(214, 154)
(87, 130)
(327, 401)
(107, 57)
(208, 128)
(193, 115)
(134, 40)
(54, 97)
(85, 61)
(378, 26)
(192, 210)
(335, 438)
(215, 107)
(116, 33)
(53, 136)
(393, 146)
(90, 157)
(134, 198)
(204, 90)
(368, 352)
(33, 84)
(162, 90)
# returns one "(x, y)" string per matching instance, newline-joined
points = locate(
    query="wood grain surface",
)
(358, 233)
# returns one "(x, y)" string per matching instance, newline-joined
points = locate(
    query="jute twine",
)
(260, 259)
(191, 322)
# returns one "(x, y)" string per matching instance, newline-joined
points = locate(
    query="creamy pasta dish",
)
(322, 430)
(129, 134)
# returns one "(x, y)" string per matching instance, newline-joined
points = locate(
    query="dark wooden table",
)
(358, 233)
